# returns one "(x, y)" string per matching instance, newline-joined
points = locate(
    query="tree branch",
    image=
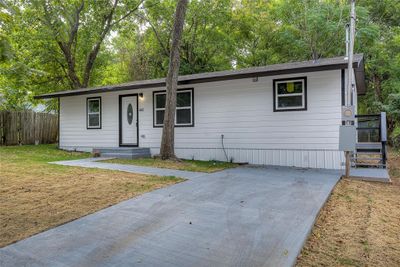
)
(65, 48)
(127, 14)
(164, 48)
(107, 25)
(95, 50)
(75, 25)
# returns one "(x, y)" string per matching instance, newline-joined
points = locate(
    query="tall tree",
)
(5, 48)
(167, 150)
(219, 35)
(94, 20)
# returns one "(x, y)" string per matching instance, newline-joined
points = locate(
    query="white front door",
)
(128, 121)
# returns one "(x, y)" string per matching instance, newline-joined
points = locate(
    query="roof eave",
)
(233, 76)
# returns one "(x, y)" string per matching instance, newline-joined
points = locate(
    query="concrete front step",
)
(369, 147)
(369, 165)
(121, 149)
(123, 152)
(366, 158)
(368, 155)
(125, 155)
(370, 174)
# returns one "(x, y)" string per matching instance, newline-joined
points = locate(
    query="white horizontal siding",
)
(242, 110)
(73, 132)
(325, 159)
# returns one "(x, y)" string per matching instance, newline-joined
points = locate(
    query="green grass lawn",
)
(184, 165)
(38, 154)
(36, 195)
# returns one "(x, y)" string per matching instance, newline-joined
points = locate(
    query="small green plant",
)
(395, 137)
(365, 246)
(346, 197)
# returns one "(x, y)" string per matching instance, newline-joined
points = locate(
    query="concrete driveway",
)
(239, 217)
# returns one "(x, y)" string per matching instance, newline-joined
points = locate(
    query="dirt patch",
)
(36, 196)
(359, 225)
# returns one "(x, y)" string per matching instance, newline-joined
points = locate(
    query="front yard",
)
(36, 196)
(359, 225)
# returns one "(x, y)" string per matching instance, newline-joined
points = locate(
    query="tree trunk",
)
(69, 58)
(167, 150)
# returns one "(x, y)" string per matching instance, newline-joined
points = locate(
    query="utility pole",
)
(350, 83)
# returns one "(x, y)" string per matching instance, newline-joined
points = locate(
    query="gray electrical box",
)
(347, 138)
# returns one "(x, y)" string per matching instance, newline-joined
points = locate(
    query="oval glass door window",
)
(130, 114)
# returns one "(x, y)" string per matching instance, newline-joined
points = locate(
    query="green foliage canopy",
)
(134, 43)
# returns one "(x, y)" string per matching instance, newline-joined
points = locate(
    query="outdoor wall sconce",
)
(255, 79)
(141, 95)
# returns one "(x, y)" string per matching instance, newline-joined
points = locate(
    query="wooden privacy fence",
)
(28, 127)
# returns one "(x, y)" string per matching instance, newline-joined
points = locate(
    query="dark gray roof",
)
(276, 69)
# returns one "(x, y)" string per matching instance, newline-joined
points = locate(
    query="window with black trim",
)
(93, 109)
(290, 94)
(184, 108)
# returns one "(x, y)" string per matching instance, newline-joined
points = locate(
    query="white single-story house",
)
(284, 114)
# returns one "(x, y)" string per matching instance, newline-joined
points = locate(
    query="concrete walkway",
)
(238, 217)
(96, 163)
(370, 174)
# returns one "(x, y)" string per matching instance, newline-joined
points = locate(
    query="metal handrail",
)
(368, 115)
(375, 120)
(368, 128)
(383, 134)
(380, 120)
(383, 127)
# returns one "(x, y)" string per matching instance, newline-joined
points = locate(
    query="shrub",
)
(395, 137)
